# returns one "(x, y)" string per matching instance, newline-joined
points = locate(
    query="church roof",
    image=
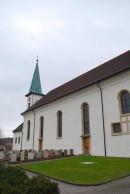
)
(36, 83)
(113, 67)
(18, 129)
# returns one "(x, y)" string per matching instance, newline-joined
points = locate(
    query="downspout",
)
(103, 122)
(21, 139)
(33, 130)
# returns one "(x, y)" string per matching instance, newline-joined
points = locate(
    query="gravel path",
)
(121, 186)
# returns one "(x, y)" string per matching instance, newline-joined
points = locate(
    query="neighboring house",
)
(6, 143)
(90, 114)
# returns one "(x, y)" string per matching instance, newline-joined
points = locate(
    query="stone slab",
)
(30, 155)
(22, 156)
(13, 157)
(39, 155)
(65, 152)
(1, 155)
(71, 152)
(46, 153)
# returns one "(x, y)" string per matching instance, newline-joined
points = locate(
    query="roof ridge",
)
(99, 73)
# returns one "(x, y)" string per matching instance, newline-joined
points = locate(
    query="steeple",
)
(36, 83)
(35, 91)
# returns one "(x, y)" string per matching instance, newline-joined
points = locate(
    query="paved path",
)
(121, 186)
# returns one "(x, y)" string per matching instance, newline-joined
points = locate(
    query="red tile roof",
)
(114, 66)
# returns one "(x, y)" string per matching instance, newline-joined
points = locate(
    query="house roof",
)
(114, 66)
(36, 83)
(18, 129)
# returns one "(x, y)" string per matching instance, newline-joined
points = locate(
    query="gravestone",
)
(56, 152)
(22, 156)
(1, 155)
(65, 152)
(59, 153)
(46, 153)
(13, 157)
(26, 154)
(52, 153)
(30, 155)
(35, 154)
(39, 155)
(71, 151)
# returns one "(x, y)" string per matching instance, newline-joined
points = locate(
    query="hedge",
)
(15, 181)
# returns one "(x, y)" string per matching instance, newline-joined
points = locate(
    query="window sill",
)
(86, 135)
(123, 115)
(125, 133)
(40, 139)
(59, 138)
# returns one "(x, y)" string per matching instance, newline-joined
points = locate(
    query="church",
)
(89, 114)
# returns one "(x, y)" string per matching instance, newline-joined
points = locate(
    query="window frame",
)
(112, 128)
(41, 127)
(18, 140)
(28, 130)
(85, 132)
(15, 140)
(125, 101)
(59, 124)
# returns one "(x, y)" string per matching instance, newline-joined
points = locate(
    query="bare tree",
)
(1, 136)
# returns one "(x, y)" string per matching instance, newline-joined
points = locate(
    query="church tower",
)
(35, 91)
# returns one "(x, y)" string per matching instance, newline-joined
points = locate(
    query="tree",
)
(1, 137)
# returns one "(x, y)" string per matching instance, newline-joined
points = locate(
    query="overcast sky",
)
(69, 36)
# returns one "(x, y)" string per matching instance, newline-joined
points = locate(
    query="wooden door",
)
(86, 145)
(40, 144)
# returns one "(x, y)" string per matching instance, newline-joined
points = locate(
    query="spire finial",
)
(37, 59)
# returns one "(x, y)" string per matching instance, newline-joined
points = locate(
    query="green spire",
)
(36, 83)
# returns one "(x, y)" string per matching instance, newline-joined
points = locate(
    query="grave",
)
(71, 152)
(59, 153)
(46, 153)
(30, 155)
(13, 157)
(1, 155)
(22, 156)
(65, 152)
(39, 155)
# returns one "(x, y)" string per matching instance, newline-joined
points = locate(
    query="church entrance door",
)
(40, 144)
(86, 145)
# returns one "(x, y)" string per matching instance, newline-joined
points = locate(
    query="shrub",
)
(15, 181)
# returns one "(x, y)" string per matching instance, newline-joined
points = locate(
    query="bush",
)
(15, 181)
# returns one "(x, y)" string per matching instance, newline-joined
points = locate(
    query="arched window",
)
(59, 124)
(28, 130)
(86, 129)
(41, 127)
(125, 102)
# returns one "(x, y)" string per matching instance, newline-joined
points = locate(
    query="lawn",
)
(71, 169)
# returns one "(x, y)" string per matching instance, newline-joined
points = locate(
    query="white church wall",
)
(71, 122)
(17, 138)
(117, 145)
(28, 144)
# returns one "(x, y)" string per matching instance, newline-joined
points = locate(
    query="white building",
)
(90, 114)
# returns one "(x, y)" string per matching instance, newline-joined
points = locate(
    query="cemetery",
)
(33, 155)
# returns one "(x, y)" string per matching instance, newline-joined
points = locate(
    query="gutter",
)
(21, 139)
(103, 122)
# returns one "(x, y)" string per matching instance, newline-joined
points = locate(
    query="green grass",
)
(71, 170)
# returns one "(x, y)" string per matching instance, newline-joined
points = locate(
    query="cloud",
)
(70, 38)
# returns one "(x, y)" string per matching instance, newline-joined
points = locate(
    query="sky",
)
(70, 37)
